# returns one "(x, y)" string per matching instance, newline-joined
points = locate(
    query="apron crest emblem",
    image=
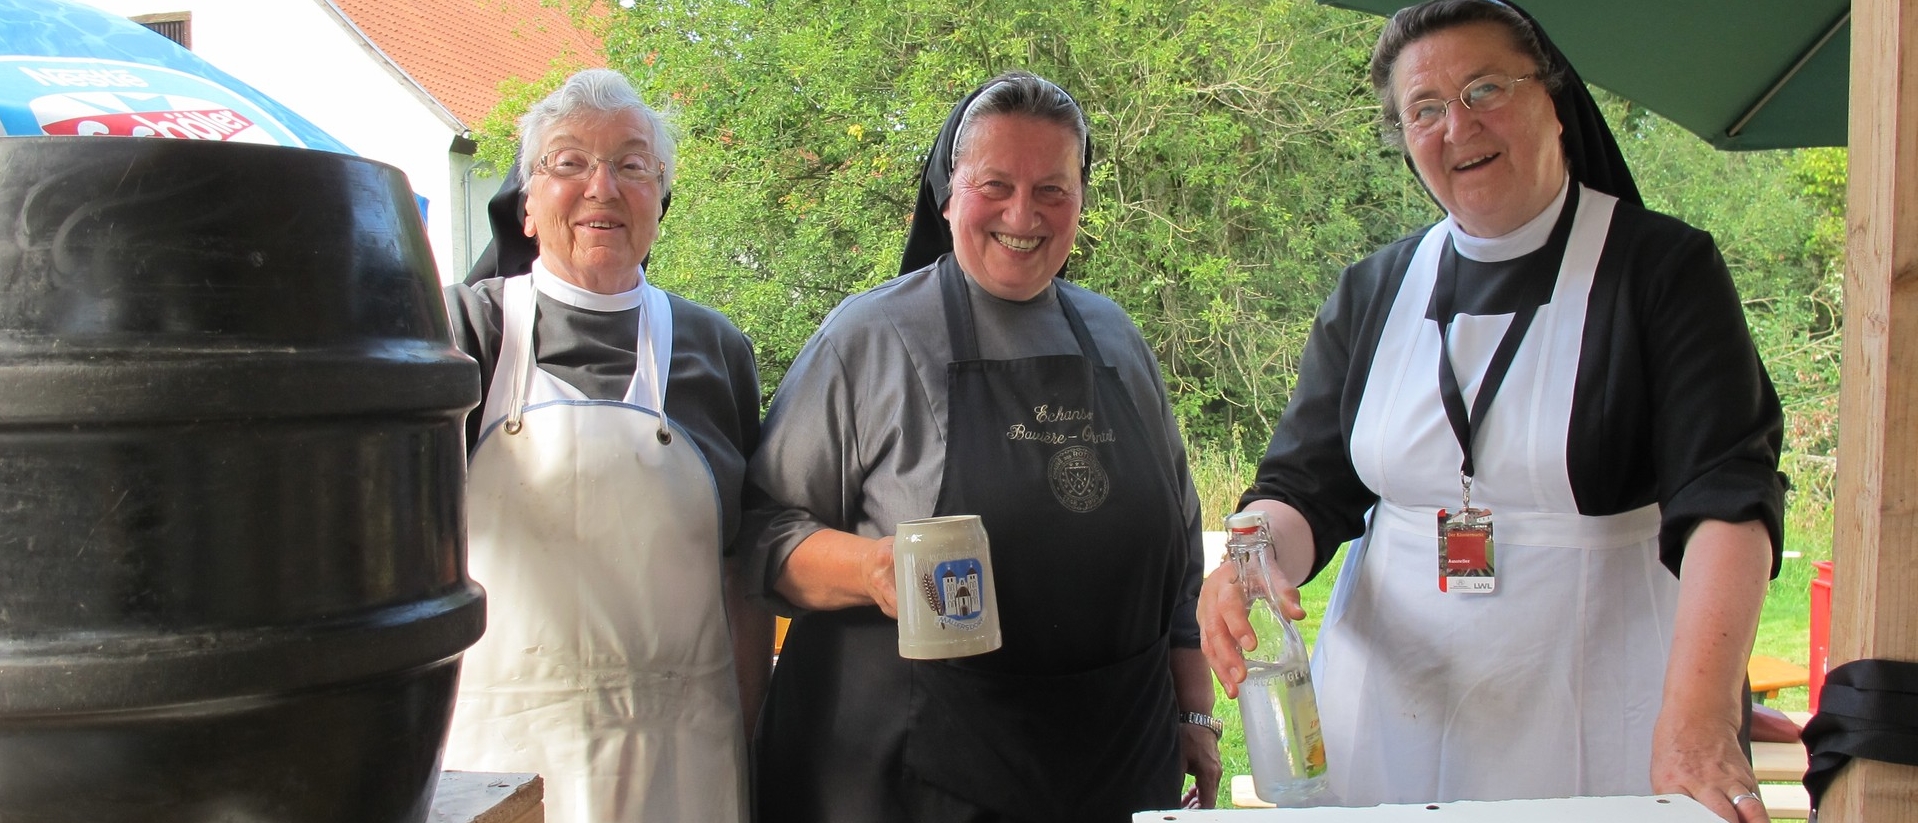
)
(1078, 481)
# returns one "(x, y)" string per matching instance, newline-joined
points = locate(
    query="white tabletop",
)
(1661, 809)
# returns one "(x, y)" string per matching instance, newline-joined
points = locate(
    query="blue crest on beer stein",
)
(956, 592)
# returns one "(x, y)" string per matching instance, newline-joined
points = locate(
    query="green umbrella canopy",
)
(1743, 74)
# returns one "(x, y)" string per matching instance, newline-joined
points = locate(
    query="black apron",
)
(1073, 718)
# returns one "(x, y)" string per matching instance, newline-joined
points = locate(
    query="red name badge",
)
(1465, 552)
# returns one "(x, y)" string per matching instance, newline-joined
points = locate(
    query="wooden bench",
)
(1785, 801)
(1780, 762)
(1784, 763)
(1770, 674)
(1241, 794)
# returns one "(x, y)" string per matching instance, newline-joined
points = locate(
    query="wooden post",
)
(1875, 547)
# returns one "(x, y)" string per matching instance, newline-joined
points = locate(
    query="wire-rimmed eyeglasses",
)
(1485, 94)
(578, 164)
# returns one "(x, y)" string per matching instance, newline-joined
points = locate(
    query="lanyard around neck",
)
(1465, 427)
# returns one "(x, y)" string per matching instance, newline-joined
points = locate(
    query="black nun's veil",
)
(930, 236)
(1591, 151)
(510, 251)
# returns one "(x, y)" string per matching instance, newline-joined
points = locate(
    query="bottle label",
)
(1305, 727)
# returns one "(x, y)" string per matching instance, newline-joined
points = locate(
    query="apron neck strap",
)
(646, 356)
(525, 300)
(523, 295)
(959, 320)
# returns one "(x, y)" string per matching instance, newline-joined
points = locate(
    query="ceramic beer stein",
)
(943, 570)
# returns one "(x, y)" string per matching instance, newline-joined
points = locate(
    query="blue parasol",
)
(72, 69)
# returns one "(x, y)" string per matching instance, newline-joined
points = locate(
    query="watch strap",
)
(1202, 719)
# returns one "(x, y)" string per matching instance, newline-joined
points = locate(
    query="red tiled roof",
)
(460, 50)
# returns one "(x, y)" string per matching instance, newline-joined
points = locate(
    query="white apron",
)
(606, 665)
(1546, 688)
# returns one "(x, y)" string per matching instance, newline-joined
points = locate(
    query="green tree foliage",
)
(1236, 164)
(1237, 170)
(499, 132)
(1778, 217)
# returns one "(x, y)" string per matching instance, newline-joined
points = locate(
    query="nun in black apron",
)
(1559, 362)
(979, 383)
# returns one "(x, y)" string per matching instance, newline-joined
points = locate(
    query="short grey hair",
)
(1415, 22)
(593, 91)
(1027, 94)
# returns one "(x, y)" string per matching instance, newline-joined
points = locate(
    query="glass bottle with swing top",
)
(1276, 703)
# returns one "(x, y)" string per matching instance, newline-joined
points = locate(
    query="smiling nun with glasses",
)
(606, 463)
(1544, 427)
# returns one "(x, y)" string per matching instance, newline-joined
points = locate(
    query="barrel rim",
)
(97, 672)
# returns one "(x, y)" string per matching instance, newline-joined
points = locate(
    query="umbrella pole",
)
(1875, 545)
(1783, 79)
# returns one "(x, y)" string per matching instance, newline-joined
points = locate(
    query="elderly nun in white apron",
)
(1556, 368)
(606, 466)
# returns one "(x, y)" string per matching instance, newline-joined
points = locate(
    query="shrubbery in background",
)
(1238, 169)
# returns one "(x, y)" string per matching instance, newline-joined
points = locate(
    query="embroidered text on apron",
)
(1073, 719)
(1547, 688)
(594, 526)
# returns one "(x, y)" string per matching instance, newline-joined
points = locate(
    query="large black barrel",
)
(232, 565)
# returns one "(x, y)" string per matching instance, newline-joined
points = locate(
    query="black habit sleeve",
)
(1673, 405)
(1308, 465)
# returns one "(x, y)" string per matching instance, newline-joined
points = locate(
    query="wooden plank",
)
(536, 814)
(1779, 761)
(1875, 540)
(1243, 795)
(1785, 800)
(489, 797)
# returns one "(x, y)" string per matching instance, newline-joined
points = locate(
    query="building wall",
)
(299, 53)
